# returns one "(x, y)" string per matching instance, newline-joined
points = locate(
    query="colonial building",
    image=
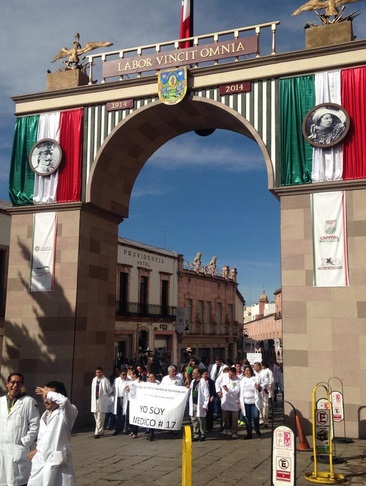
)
(213, 309)
(147, 291)
(165, 305)
(263, 327)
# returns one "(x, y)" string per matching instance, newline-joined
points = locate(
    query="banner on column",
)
(157, 407)
(330, 257)
(43, 252)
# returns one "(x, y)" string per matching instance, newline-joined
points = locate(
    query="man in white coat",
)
(198, 403)
(19, 422)
(100, 391)
(120, 386)
(52, 463)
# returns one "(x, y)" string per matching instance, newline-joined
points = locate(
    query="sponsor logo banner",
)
(330, 259)
(43, 252)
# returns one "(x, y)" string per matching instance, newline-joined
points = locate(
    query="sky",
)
(206, 194)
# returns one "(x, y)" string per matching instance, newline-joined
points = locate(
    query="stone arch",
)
(131, 143)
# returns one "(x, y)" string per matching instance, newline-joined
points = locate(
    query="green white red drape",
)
(300, 163)
(64, 185)
(330, 256)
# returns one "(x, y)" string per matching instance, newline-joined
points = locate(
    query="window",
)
(123, 293)
(143, 294)
(200, 307)
(164, 297)
(188, 306)
(230, 312)
(207, 312)
(218, 312)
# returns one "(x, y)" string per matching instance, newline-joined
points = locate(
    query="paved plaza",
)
(120, 460)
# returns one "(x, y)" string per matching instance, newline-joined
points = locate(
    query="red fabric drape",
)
(69, 178)
(353, 92)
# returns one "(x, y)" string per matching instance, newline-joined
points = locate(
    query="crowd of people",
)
(35, 450)
(228, 394)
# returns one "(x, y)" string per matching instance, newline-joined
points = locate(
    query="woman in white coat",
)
(52, 463)
(250, 401)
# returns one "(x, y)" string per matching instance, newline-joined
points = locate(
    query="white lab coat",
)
(213, 371)
(18, 431)
(252, 381)
(119, 386)
(202, 399)
(105, 389)
(52, 464)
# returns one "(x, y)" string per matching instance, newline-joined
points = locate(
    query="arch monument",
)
(108, 130)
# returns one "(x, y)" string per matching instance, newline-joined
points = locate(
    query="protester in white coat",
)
(227, 389)
(198, 404)
(52, 463)
(120, 387)
(101, 389)
(250, 401)
(19, 422)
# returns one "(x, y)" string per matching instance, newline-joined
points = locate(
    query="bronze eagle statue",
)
(330, 6)
(76, 50)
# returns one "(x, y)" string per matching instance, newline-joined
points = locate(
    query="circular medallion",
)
(326, 125)
(45, 156)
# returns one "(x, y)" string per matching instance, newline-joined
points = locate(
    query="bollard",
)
(187, 456)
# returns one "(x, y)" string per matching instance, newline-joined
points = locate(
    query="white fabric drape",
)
(45, 187)
(327, 162)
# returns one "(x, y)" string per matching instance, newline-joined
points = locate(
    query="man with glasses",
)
(19, 422)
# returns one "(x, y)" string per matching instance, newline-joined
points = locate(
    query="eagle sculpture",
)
(73, 61)
(330, 6)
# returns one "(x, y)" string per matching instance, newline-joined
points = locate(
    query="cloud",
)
(140, 192)
(228, 157)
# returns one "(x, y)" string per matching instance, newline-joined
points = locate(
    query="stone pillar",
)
(66, 333)
(324, 329)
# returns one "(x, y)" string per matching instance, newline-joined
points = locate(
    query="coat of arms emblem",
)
(172, 85)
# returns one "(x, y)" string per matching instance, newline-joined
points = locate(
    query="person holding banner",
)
(198, 404)
(228, 390)
(134, 378)
(172, 378)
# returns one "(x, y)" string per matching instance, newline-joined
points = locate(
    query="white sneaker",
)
(234, 436)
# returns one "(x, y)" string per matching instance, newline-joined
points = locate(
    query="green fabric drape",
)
(21, 179)
(297, 97)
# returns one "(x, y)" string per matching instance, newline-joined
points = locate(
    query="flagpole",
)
(192, 17)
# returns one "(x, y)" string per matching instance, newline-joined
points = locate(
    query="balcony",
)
(213, 329)
(135, 309)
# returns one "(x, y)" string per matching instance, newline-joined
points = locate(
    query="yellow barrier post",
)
(187, 456)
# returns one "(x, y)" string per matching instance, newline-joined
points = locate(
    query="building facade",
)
(213, 310)
(147, 291)
(263, 327)
(166, 305)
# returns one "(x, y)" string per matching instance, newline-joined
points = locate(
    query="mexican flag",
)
(64, 185)
(186, 27)
(300, 162)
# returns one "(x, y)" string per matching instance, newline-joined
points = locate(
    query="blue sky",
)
(205, 194)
